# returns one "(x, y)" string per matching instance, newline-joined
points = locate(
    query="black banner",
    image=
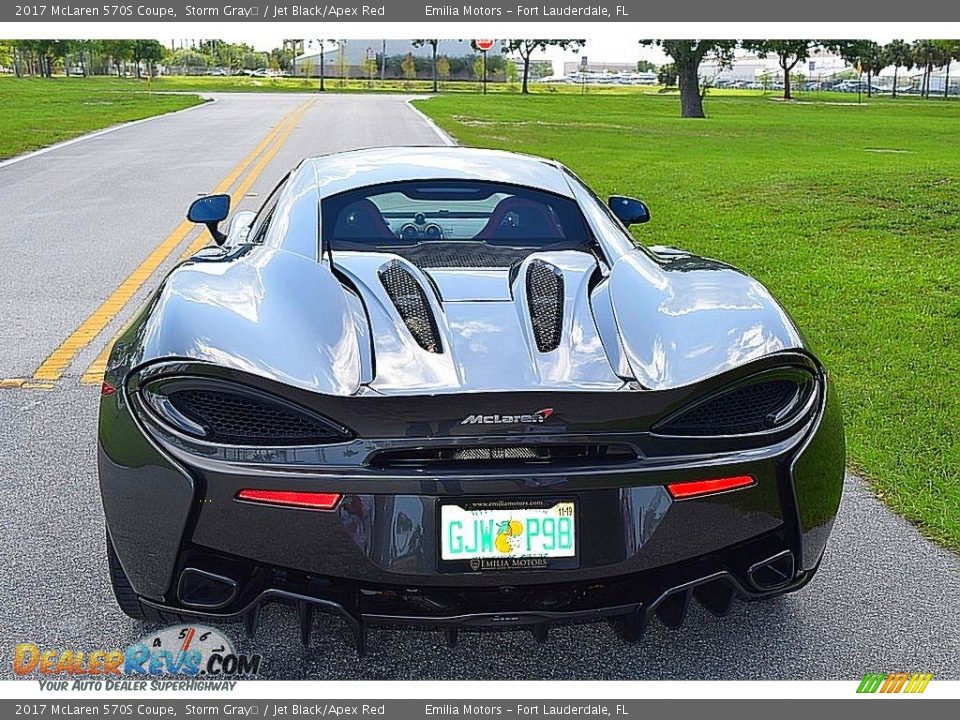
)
(219, 11)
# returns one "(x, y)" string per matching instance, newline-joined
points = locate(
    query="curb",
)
(444, 137)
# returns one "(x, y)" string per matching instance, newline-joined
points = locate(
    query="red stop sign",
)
(484, 45)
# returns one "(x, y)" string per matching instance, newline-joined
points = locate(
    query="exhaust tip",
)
(772, 573)
(206, 590)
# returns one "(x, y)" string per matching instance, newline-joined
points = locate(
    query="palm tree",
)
(926, 55)
(898, 54)
(951, 52)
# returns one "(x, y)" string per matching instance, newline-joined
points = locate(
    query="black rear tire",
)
(127, 598)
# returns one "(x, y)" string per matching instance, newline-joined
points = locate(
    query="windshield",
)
(410, 214)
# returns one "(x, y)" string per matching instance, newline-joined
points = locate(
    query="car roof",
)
(345, 171)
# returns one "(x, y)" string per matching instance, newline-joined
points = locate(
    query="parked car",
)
(445, 387)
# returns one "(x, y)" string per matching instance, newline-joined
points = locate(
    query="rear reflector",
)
(313, 500)
(682, 490)
(107, 389)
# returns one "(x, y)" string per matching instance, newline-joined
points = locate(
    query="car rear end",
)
(224, 490)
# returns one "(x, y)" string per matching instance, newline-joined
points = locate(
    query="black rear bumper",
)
(165, 500)
(761, 568)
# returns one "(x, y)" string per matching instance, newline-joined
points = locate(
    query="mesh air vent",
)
(748, 409)
(545, 297)
(241, 420)
(411, 302)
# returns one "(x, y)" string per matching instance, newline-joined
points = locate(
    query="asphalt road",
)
(78, 220)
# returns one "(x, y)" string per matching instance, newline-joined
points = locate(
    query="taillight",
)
(698, 488)
(291, 498)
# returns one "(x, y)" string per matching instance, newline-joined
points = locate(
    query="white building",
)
(750, 68)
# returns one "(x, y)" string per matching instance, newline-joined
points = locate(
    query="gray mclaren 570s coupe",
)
(446, 388)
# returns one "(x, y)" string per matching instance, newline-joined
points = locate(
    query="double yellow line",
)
(53, 368)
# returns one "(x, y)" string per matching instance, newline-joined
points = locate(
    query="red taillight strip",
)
(695, 488)
(312, 500)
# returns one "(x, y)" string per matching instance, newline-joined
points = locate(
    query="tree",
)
(869, 55)
(369, 67)
(788, 52)
(6, 53)
(897, 53)
(443, 68)
(43, 53)
(120, 52)
(409, 67)
(150, 51)
(667, 75)
(646, 66)
(433, 61)
(253, 60)
(950, 51)
(526, 48)
(187, 58)
(927, 54)
(687, 56)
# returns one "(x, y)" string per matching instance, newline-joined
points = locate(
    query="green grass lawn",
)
(41, 111)
(850, 214)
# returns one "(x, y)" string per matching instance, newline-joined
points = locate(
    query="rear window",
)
(411, 213)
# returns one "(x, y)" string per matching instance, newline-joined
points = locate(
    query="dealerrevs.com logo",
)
(539, 416)
(178, 657)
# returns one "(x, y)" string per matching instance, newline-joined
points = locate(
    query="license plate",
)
(502, 535)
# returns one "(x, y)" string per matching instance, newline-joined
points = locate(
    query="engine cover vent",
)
(411, 302)
(545, 297)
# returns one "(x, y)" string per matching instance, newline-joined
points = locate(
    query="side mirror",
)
(210, 210)
(628, 210)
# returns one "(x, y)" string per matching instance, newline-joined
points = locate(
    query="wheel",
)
(127, 598)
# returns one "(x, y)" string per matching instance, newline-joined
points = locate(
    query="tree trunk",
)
(435, 67)
(526, 73)
(895, 68)
(787, 95)
(691, 102)
(946, 82)
(322, 88)
(869, 84)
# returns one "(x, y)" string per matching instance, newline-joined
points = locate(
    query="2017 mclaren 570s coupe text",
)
(445, 387)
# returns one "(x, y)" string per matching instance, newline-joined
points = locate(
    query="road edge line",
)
(444, 136)
(205, 102)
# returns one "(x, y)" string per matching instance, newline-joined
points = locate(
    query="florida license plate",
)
(507, 535)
